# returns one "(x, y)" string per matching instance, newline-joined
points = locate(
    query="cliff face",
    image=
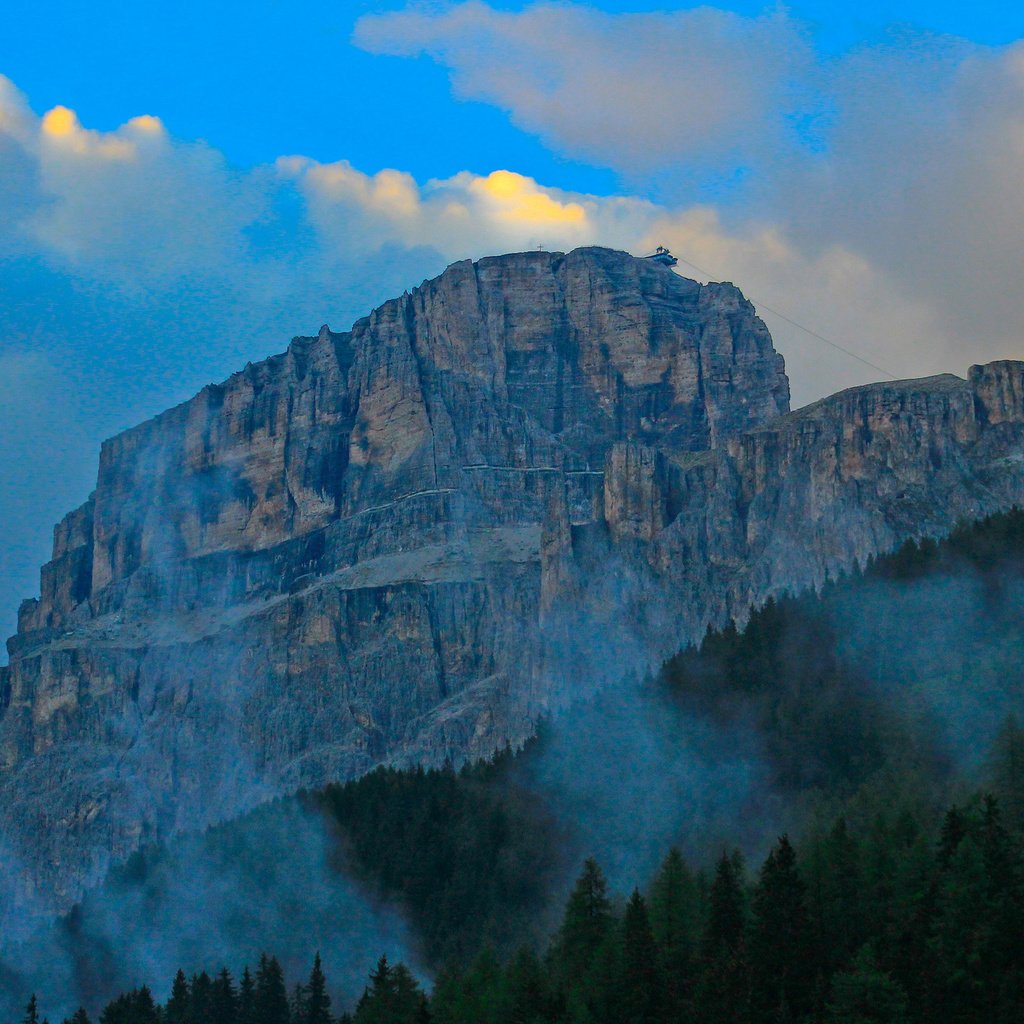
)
(334, 558)
(401, 543)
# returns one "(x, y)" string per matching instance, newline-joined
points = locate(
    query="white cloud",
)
(132, 204)
(629, 91)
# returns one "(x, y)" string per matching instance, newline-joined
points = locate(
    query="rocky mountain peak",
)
(403, 542)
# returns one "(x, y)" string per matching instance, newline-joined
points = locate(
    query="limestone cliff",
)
(401, 543)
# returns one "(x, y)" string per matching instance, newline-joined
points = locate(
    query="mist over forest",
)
(875, 724)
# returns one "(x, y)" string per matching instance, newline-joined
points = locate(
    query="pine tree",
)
(446, 995)
(80, 1016)
(410, 1006)
(954, 831)
(143, 1009)
(246, 998)
(723, 990)
(179, 1005)
(1006, 770)
(31, 1011)
(527, 994)
(957, 943)
(318, 1002)
(724, 929)
(640, 994)
(483, 990)
(119, 1010)
(585, 926)
(297, 1004)
(866, 995)
(392, 997)
(270, 1005)
(223, 999)
(674, 915)
(782, 975)
(201, 999)
(1001, 960)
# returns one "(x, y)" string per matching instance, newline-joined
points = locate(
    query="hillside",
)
(853, 710)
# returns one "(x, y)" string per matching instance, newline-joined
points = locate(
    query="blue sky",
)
(185, 186)
(264, 78)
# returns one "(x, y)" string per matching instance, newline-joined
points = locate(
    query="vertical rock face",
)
(401, 543)
(333, 559)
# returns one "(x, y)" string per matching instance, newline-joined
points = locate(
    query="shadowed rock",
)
(403, 543)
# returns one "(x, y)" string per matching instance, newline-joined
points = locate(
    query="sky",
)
(184, 187)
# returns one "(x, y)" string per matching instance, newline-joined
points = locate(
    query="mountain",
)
(403, 543)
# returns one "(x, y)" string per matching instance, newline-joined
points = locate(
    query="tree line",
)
(891, 923)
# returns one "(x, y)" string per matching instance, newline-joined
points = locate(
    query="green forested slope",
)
(863, 712)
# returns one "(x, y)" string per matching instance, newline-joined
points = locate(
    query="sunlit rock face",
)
(403, 543)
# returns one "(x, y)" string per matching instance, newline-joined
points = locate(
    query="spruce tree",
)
(143, 1007)
(585, 926)
(201, 999)
(31, 1011)
(527, 994)
(392, 997)
(297, 1004)
(246, 998)
(223, 999)
(724, 928)
(865, 994)
(178, 1006)
(483, 990)
(271, 999)
(318, 1002)
(1006, 771)
(782, 978)
(375, 1004)
(674, 914)
(640, 993)
(410, 1006)
(723, 990)
(119, 1010)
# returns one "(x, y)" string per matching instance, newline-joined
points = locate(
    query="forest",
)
(889, 924)
(886, 707)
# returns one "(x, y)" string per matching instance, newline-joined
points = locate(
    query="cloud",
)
(133, 204)
(465, 215)
(628, 91)
(922, 178)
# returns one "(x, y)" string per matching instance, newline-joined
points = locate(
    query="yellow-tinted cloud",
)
(146, 123)
(60, 121)
(464, 214)
(61, 127)
(519, 199)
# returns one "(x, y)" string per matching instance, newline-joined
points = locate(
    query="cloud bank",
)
(701, 86)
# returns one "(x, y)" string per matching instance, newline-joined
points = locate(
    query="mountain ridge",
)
(403, 543)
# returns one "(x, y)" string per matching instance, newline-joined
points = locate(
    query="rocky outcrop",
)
(817, 491)
(334, 559)
(401, 543)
